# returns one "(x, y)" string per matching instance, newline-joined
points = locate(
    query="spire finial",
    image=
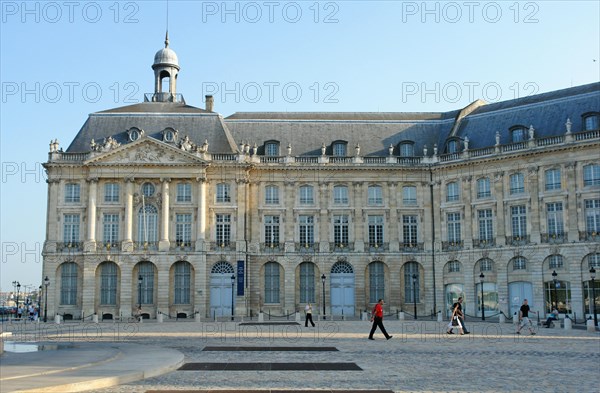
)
(167, 39)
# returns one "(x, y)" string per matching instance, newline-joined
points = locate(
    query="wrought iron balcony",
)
(69, 246)
(517, 240)
(554, 238)
(183, 246)
(271, 247)
(411, 247)
(455, 245)
(590, 236)
(341, 247)
(220, 246)
(145, 246)
(484, 243)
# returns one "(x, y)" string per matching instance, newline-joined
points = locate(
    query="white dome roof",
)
(166, 56)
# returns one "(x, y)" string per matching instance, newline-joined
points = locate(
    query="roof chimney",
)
(209, 102)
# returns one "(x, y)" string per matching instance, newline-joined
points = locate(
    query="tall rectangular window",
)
(272, 282)
(223, 193)
(409, 195)
(271, 149)
(182, 282)
(72, 193)
(592, 216)
(340, 195)
(486, 231)
(71, 228)
(554, 217)
(591, 175)
(375, 231)
(483, 188)
(223, 228)
(454, 235)
(146, 294)
(108, 283)
(184, 192)
(307, 195)
(68, 283)
(376, 281)
(183, 229)
(552, 179)
(517, 183)
(306, 230)
(307, 282)
(375, 197)
(340, 229)
(110, 230)
(411, 282)
(339, 149)
(409, 230)
(452, 192)
(271, 195)
(519, 221)
(271, 231)
(111, 192)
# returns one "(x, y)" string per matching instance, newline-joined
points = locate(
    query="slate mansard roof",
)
(374, 132)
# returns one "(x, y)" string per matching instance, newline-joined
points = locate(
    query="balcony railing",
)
(590, 236)
(517, 240)
(69, 246)
(378, 247)
(341, 247)
(145, 246)
(455, 245)
(305, 247)
(484, 243)
(554, 238)
(411, 247)
(271, 247)
(220, 246)
(183, 246)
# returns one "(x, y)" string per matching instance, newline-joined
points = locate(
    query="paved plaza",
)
(333, 355)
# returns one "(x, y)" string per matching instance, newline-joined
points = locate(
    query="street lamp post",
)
(46, 284)
(481, 277)
(554, 274)
(18, 290)
(140, 279)
(232, 305)
(414, 278)
(593, 302)
(323, 278)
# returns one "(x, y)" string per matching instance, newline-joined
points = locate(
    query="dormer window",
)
(407, 149)
(169, 135)
(591, 121)
(518, 134)
(134, 134)
(272, 148)
(452, 146)
(339, 149)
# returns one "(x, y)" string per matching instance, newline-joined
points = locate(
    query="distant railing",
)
(307, 160)
(554, 238)
(224, 157)
(374, 160)
(552, 140)
(342, 160)
(515, 146)
(62, 156)
(581, 136)
(482, 152)
(449, 157)
(271, 159)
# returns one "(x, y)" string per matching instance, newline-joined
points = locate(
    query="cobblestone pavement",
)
(420, 357)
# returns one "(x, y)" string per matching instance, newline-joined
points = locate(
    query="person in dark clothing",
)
(377, 320)
(524, 318)
(553, 317)
(461, 317)
(308, 311)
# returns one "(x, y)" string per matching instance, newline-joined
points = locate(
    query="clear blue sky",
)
(61, 61)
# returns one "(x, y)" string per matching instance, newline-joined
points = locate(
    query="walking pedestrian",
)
(524, 318)
(459, 315)
(377, 319)
(455, 322)
(308, 312)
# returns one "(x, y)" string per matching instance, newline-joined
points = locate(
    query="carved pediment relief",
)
(145, 152)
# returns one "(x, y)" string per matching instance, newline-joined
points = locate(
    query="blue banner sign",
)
(240, 278)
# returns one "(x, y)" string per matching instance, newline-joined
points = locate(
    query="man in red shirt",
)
(377, 320)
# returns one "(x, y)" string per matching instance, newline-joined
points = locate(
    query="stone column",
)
(163, 244)
(357, 202)
(88, 289)
(323, 235)
(534, 227)
(201, 214)
(241, 203)
(289, 203)
(500, 214)
(52, 223)
(571, 204)
(468, 227)
(126, 300)
(128, 233)
(393, 237)
(90, 243)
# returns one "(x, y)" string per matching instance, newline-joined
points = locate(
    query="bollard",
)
(95, 318)
(439, 316)
(590, 325)
(297, 316)
(515, 320)
(363, 316)
(401, 316)
(57, 319)
(197, 317)
(568, 323)
(502, 319)
(261, 317)
(159, 317)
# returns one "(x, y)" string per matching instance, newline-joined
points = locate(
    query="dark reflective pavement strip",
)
(272, 349)
(270, 367)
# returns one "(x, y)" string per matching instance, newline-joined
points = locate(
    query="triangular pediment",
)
(145, 151)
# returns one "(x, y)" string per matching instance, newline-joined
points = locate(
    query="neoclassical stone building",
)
(182, 211)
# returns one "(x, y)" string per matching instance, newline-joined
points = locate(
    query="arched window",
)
(271, 195)
(342, 267)
(147, 224)
(68, 283)
(407, 149)
(307, 282)
(222, 267)
(108, 283)
(555, 261)
(453, 267)
(591, 121)
(148, 189)
(594, 261)
(340, 149)
(486, 265)
(452, 146)
(518, 134)
(452, 192)
(411, 286)
(519, 263)
(182, 282)
(272, 282)
(376, 281)
(146, 272)
(272, 148)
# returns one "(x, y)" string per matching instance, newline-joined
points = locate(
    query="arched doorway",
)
(221, 289)
(342, 289)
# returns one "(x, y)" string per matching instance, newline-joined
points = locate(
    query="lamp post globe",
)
(323, 278)
(555, 281)
(593, 300)
(481, 277)
(232, 305)
(414, 278)
(46, 285)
